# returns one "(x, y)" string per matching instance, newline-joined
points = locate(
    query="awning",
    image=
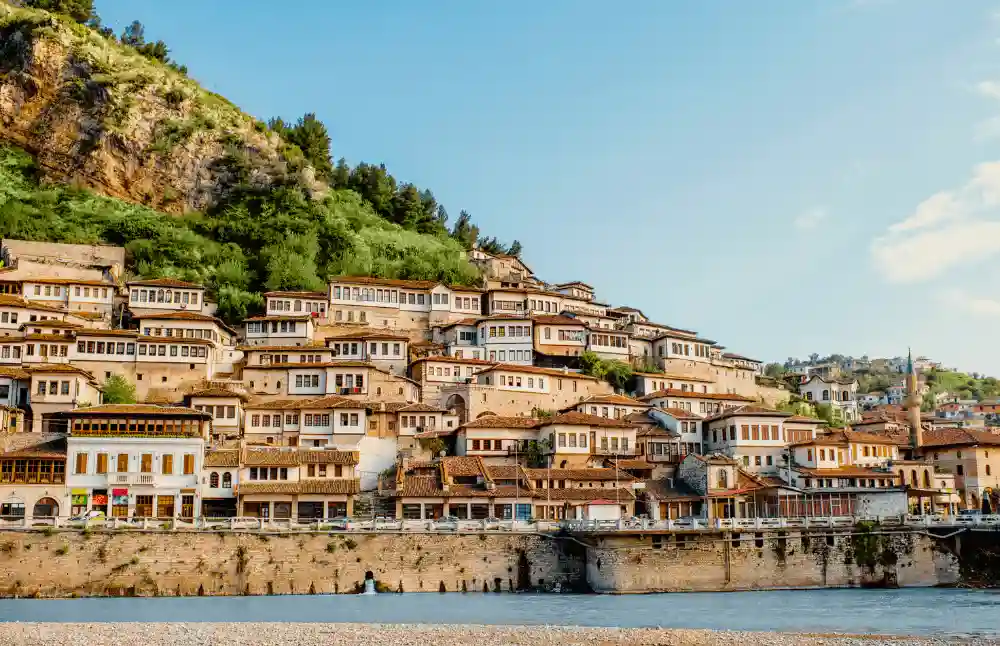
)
(119, 492)
(79, 492)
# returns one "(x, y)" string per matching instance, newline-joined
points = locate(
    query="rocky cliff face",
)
(99, 115)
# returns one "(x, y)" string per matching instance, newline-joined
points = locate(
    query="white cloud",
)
(989, 89)
(946, 230)
(811, 218)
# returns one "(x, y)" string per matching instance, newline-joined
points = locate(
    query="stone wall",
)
(74, 563)
(768, 560)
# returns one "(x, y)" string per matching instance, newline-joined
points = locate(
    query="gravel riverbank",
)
(252, 634)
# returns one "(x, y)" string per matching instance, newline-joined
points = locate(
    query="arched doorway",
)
(45, 507)
(457, 404)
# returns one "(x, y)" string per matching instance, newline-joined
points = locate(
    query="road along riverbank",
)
(309, 634)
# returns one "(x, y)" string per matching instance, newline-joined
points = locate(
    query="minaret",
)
(913, 401)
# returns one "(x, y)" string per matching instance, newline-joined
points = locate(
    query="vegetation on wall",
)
(617, 373)
(118, 390)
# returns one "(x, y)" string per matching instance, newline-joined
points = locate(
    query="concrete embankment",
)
(179, 563)
(302, 634)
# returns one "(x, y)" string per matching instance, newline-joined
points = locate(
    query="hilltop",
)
(107, 140)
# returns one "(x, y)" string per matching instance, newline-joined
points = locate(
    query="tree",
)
(774, 370)
(515, 249)
(591, 364)
(118, 390)
(78, 10)
(134, 35)
(618, 374)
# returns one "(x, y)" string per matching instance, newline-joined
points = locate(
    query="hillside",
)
(105, 144)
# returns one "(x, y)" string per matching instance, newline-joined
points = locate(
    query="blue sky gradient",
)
(784, 177)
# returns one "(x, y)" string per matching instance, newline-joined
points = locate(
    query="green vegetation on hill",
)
(973, 386)
(285, 223)
(273, 239)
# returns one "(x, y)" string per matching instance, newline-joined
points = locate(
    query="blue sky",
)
(785, 177)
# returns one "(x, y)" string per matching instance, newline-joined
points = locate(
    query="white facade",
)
(840, 394)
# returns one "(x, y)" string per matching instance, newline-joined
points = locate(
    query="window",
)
(81, 463)
(188, 464)
(102, 463)
(146, 463)
(168, 465)
(227, 480)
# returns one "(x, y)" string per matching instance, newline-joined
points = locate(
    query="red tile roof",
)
(574, 418)
(495, 421)
(958, 437)
(388, 282)
(535, 370)
(319, 295)
(163, 282)
(749, 411)
(548, 319)
(687, 394)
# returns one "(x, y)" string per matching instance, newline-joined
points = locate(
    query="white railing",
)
(492, 525)
(132, 478)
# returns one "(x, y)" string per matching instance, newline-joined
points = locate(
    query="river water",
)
(901, 612)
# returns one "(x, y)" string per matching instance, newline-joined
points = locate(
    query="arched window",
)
(378, 391)
(826, 395)
(159, 296)
(213, 480)
(723, 479)
(913, 477)
(927, 478)
(227, 480)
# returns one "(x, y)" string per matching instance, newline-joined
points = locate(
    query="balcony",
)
(611, 453)
(125, 479)
(348, 391)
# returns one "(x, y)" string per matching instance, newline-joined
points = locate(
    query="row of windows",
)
(144, 462)
(8, 317)
(759, 432)
(105, 347)
(33, 471)
(53, 387)
(227, 480)
(180, 333)
(308, 419)
(261, 327)
(307, 381)
(844, 396)
(517, 382)
(182, 350)
(265, 473)
(452, 371)
(609, 341)
(606, 412)
(319, 471)
(162, 296)
(544, 306)
(99, 292)
(487, 445)
(46, 350)
(219, 412)
(568, 335)
(508, 306)
(10, 352)
(506, 330)
(296, 306)
(415, 421)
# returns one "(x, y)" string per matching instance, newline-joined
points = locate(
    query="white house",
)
(136, 459)
(839, 393)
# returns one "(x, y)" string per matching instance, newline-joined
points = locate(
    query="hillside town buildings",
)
(438, 400)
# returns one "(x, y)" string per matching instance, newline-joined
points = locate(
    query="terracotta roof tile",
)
(587, 494)
(68, 281)
(959, 437)
(327, 486)
(163, 282)
(679, 413)
(138, 409)
(310, 347)
(34, 445)
(319, 295)
(46, 368)
(463, 466)
(279, 317)
(466, 360)
(94, 332)
(582, 419)
(604, 474)
(611, 400)
(497, 421)
(389, 282)
(687, 394)
(549, 319)
(13, 373)
(845, 472)
(49, 323)
(222, 459)
(749, 411)
(216, 392)
(10, 300)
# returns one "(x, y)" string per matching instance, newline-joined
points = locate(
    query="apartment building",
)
(297, 484)
(498, 440)
(279, 329)
(559, 340)
(311, 304)
(839, 393)
(159, 295)
(323, 421)
(752, 435)
(383, 349)
(136, 460)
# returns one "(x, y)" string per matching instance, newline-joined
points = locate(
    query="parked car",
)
(491, 523)
(387, 524)
(341, 523)
(444, 523)
(86, 519)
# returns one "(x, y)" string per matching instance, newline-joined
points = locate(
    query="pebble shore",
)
(309, 634)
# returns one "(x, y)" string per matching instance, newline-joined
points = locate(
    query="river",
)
(907, 612)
